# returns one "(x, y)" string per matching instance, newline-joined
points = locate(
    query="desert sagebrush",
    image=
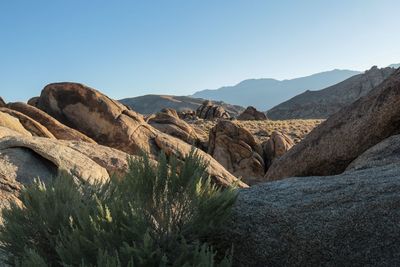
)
(153, 216)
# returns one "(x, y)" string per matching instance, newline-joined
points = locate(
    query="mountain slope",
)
(266, 93)
(150, 104)
(323, 103)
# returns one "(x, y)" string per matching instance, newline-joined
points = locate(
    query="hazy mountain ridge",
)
(266, 93)
(150, 104)
(323, 103)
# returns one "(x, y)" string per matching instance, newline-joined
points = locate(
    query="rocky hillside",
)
(151, 104)
(323, 103)
(264, 94)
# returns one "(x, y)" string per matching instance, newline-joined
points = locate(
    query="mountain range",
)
(267, 93)
(323, 103)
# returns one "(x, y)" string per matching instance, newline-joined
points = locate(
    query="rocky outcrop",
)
(168, 121)
(2, 103)
(188, 115)
(12, 123)
(276, 146)
(344, 220)
(335, 143)
(62, 157)
(23, 158)
(32, 126)
(384, 153)
(323, 103)
(208, 111)
(151, 104)
(57, 129)
(236, 149)
(33, 101)
(251, 114)
(110, 123)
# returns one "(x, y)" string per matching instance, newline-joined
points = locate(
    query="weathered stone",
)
(2, 103)
(110, 123)
(236, 149)
(251, 114)
(8, 132)
(12, 123)
(335, 143)
(350, 219)
(167, 121)
(209, 111)
(59, 130)
(384, 153)
(61, 156)
(35, 128)
(276, 146)
(33, 101)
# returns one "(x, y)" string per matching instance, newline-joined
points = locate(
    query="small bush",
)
(154, 216)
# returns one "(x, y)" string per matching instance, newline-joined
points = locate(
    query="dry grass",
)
(261, 130)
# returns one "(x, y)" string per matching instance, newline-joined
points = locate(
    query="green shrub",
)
(153, 216)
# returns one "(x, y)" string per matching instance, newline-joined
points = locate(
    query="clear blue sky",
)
(130, 48)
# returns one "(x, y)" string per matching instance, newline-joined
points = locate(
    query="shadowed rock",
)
(350, 219)
(208, 111)
(251, 114)
(335, 143)
(276, 146)
(2, 103)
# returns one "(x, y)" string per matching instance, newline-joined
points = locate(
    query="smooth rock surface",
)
(345, 220)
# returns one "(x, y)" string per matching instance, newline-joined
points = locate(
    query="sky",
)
(131, 48)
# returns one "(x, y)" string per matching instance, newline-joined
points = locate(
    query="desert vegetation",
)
(161, 215)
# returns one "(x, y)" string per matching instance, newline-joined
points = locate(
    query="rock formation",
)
(276, 146)
(59, 130)
(151, 104)
(236, 149)
(2, 103)
(251, 114)
(32, 126)
(208, 111)
(33, 101)
(167, 121)
(384, 153)
(335, 143)
(110, 123)
(345, 220)
(323, 103)
(12, 123)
